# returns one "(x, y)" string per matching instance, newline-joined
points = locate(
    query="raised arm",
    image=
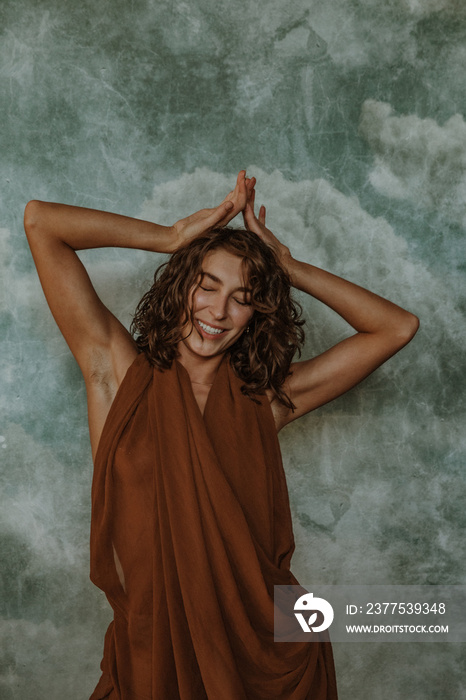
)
(103, 348)
(56, 231)
(382, 328)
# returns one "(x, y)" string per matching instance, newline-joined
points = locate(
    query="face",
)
(220, 306)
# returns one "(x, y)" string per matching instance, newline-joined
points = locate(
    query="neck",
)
(201, 370)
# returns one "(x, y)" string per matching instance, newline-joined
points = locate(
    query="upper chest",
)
(201, 393)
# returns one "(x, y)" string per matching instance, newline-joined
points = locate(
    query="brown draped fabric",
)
(191, 529)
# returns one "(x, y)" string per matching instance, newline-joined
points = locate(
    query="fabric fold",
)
(191, 529)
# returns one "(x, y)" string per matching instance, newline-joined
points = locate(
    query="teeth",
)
(209, 329)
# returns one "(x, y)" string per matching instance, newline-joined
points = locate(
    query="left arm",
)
(382, 328)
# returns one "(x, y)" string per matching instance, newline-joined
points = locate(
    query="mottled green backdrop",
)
(351, 115)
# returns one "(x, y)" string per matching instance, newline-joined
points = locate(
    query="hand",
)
(204, 220)
(257, 225)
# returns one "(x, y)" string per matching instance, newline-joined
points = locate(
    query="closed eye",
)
(242, 303)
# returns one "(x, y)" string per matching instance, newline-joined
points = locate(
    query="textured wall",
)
(350, 114)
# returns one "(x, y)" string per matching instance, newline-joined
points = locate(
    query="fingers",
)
(250, 184)
(240, 180)
(242, 196)
(262, 215)
(250, 199)
(241, 189)
(221, 214)
(249, 218)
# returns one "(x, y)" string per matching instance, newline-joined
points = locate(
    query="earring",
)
(247, 329)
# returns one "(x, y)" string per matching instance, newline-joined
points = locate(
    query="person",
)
(191, 524)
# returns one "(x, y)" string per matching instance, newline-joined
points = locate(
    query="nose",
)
(218, 307)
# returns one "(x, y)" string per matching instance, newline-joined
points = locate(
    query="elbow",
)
(412, 326)
(408, 329)
(32, 216)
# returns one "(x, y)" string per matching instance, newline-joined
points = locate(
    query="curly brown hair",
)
(261, 357)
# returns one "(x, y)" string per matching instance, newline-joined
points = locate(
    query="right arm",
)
(102, 346)
(55, 232)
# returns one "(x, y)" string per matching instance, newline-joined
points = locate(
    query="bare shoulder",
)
(105, 369)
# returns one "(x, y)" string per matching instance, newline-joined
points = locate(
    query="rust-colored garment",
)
(195, 511)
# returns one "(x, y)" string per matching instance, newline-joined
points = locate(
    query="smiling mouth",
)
(211, 330)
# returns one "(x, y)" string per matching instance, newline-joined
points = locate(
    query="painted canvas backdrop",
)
(351, 116)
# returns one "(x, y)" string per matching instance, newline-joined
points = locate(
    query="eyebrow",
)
(219, 281)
